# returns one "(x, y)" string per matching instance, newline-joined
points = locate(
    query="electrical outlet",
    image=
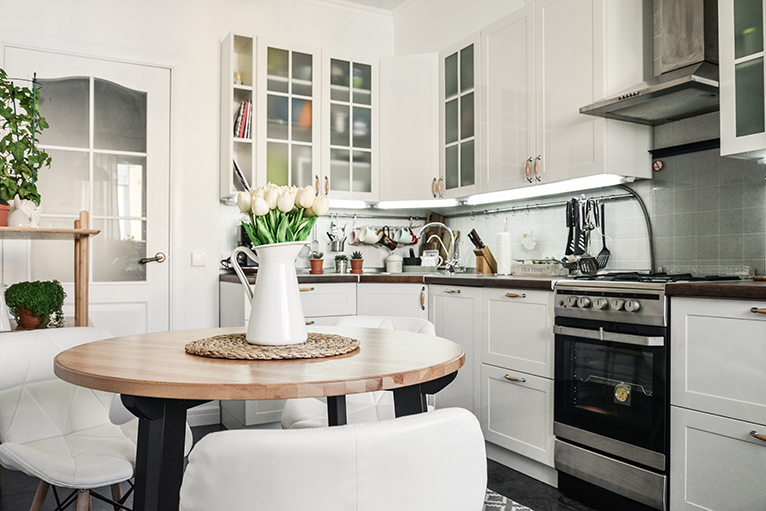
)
(198, 259)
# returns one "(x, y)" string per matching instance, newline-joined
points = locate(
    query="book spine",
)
(238, 122)
(249, 110)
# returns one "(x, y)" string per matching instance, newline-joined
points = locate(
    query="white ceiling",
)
(382, 4)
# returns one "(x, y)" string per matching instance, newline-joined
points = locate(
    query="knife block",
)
(485, 261)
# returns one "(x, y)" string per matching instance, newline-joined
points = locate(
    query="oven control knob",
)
(618, 304)
(583, 302)
(632, 306)
(601, 304)
(571, 301)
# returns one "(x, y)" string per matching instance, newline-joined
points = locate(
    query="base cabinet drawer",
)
(517, 412)
(715, 464)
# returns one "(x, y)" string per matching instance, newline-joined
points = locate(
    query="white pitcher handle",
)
(241, 274)
(441, 260)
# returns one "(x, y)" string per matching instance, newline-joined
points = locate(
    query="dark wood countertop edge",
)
(744, 290)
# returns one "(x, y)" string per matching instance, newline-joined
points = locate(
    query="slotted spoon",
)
(603, 256)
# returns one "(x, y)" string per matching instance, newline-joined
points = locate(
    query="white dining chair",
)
(430, 461)
(311, 412)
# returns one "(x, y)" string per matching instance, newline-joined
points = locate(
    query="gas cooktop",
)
(653, 277)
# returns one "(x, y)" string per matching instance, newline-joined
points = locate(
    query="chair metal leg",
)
(83, 500)
(40, 494)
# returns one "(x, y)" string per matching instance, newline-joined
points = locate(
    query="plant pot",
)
(356, 265)
(26, 320)
(316, 266)
(341, 266)
(5, 209)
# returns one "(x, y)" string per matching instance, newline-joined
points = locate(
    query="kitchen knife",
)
(474, 237)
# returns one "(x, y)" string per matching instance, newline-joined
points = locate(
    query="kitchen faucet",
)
(450, 264)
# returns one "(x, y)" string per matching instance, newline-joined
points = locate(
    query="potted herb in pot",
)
(20, 159)
(316, 262)
(356, 262)
(341, 263)
(34, 303)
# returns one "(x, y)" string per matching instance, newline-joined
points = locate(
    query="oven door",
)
(611, 388)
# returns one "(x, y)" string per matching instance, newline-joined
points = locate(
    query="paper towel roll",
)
(503, 255)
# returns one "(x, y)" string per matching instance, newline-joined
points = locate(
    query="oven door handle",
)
(602, 335)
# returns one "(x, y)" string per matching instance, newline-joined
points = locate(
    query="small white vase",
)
(276, 317)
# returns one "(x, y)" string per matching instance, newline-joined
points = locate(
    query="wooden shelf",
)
(37, 233)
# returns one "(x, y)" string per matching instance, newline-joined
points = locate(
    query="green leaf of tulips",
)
(303, 233)
(282, 230)
(264, 234)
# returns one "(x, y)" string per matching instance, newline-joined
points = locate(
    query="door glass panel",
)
(64, 187)
(53, 259)
(340, 170)
(362, 171)
(276, 120)
(748, 94)
(301, 120)
(276, 163)
(748, 27)
(302, 164)
(119, 185)
(466, 68)
(362, 84)
(119, 247)
(451, 167)
(450, 75)
(119, 117)
(339, 80)
(339, 132)
(466, 116)
(450, 121)
(362, 127)
(466, 163)
(302, 77)
(277, 70)
(64, 105)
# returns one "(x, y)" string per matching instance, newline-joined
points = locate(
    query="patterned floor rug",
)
(496, 502)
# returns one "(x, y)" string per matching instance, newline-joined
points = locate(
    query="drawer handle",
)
(513, 378)
(452, 291)
(514, 295)
(423, 299)
(756, 310)
(309, 323)
(755, 434)
(305, 289)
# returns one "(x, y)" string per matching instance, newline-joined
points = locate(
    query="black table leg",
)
(412, 399)
(336, 410)
(160, 452)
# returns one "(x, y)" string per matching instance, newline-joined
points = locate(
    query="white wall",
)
(187, 35)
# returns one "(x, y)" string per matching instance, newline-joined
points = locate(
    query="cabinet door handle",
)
(326, 184)
(755, 434)
(513, 378)
(304, 289)
(526, 170)
(537, 168)
(514, 295)
(423, 299)
(452, 291)
(309, 323)
(433, 188)
(756, 310)
(439, 188)
(316, 176)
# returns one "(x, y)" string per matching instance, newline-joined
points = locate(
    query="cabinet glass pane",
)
(302, 120)
(339, 80)
(450, 122)
(466, 68)
(117, 249)
(302, 78)
(362, 84)
(277, 70)
(339, 131)
(748, 27)
(466, 163)
(362, 127)
(748, 96)
(64, 104)
(119, 185)
(276, 163)
(302, 164)
(119, 117)
(362, 171)
(451, 166)
(64, 187)
(340, 170)
(466, 116)
(53, 259)
(450, 75)
(276, 117)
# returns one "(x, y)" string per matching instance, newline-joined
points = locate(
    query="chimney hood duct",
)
(685, 82)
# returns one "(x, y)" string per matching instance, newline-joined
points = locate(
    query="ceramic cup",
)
(369, 236)
(403, 236)
(353, 237)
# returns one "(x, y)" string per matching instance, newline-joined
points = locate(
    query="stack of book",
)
(242, 122)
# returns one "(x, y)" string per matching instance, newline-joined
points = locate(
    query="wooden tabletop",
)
(156, 365)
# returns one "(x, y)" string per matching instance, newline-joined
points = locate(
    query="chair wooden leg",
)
(83, 500)
(42, 491)
(116, 493)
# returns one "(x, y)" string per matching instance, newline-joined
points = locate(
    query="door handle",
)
(526, 169)
(513, 378)
(305, 289)
(159, 257)
(756, 310)
(452, 291)
(326, 184)
(537, 167)
(755, 434)
(423, 298)
(514, 295)
(433, 188)
(439, 188)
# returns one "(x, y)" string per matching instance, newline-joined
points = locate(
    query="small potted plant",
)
(356, 262)
(341, 263)
(34, 303)
(316, 262)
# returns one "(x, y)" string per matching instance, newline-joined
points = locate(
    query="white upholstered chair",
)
(425, 462)
(311, 412)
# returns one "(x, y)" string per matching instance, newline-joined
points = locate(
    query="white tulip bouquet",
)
(280, 214)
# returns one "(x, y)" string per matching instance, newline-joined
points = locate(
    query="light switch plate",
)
(198, 259)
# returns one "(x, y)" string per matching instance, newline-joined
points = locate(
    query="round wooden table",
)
(159, 381)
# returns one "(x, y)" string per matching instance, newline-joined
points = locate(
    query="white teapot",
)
(24, 213)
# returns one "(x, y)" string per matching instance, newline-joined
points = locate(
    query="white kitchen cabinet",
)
(540, 65)
(402, 300)
(517, 330)
(409, 127)
(456, 314)
(742, 84)
(517, 412)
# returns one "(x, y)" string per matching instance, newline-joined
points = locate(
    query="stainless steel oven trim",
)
(624, 450)
(603, 335)
(616, 476)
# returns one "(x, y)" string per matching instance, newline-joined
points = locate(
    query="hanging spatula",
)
(603, 256)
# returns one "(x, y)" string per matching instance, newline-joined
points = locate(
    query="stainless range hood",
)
(685, 39)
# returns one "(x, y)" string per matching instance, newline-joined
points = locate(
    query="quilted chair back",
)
(34, 403)
(417, 325)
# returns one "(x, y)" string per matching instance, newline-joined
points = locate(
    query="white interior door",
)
(109, 139)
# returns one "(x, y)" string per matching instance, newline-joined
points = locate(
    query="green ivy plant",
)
(20, 159)
(43, 298)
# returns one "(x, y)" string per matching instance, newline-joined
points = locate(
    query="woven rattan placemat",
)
(235, 346)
